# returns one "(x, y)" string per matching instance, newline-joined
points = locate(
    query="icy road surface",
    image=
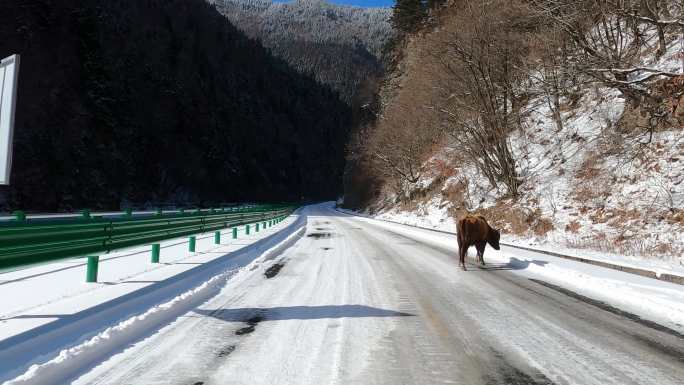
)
(355, 303)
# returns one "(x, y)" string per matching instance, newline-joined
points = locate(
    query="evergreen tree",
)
(407, 15)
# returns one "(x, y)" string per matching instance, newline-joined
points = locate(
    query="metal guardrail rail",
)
(27, 242)
(19, 214)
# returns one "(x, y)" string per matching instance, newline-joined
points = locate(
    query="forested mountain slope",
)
(160, 101)
(338, 45)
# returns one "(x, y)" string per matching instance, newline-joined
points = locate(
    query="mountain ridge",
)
(341, 46)
(160, 101)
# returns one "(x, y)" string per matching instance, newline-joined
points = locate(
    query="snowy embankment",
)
(660, 302)
(54, 324)
(657, 266)
(592, 188)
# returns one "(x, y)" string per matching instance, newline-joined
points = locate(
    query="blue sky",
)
(359, 3)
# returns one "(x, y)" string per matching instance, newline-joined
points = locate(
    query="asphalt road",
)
(354, 303)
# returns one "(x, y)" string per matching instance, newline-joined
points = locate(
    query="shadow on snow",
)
(300, 313)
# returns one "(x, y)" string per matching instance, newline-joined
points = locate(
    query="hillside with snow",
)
(596, 185)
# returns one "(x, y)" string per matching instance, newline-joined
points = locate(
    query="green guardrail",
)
(27, 242)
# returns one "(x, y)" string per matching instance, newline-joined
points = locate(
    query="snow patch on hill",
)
(589, 189)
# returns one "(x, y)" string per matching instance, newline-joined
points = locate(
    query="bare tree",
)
(398, 145)
(483, 89)
(609, 36)
(553, 76)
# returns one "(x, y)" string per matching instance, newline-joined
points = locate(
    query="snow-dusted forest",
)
(337, 45)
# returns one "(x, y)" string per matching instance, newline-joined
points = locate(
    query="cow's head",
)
(493, 238)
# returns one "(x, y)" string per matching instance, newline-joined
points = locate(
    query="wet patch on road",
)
(226, 351)
(273, 270)
(508, 374)
(319, 235)
(672, 351)
(326, 248)
(251, 324)
(611, 309)
(513, 376)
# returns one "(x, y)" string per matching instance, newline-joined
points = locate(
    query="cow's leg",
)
(460, 247)
(480, 246)
(462, 254)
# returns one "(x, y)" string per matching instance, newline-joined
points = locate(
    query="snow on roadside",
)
(659, 301)
(191, 291)
(436, 219)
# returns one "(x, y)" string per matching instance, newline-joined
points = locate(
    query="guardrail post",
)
(158, 212)
(85, 214)
(191, 246)
(234, 232)
(217, 237)
(155, 252)
(19, 215)
(91, 272)
(181, 211)
(257, 227)
(129, 212)
(247, 229)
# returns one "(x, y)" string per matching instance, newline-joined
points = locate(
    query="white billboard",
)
(9, 74)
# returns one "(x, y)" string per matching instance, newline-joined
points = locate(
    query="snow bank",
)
(59, 351)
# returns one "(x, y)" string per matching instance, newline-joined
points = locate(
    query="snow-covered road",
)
(358, 303)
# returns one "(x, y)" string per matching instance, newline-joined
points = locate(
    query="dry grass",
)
(626, 246)
(542, 226)
(456, 193)
(516, 220)
(587, 173)
(573, 227)
(592, 187)
(675, 217)
(618, 217)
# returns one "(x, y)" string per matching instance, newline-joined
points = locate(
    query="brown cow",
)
(474, 230)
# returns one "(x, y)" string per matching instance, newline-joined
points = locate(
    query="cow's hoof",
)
(463, 268)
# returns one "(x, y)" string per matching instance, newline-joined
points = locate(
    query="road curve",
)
(354, 303)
